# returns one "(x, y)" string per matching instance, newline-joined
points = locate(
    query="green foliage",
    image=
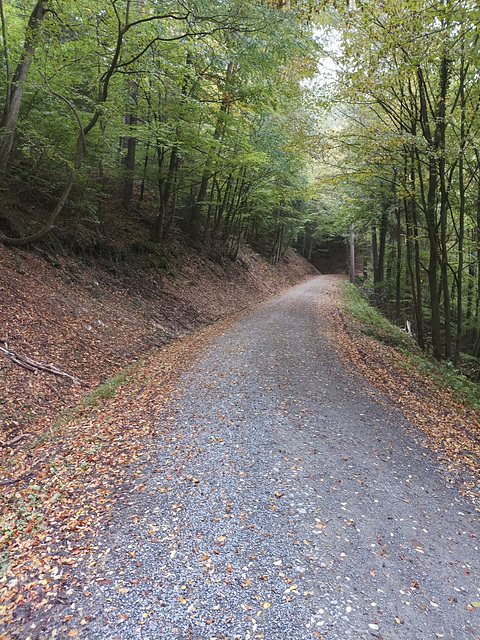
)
(376, 326)
(400, 150)
(208, 90)
(374, 323)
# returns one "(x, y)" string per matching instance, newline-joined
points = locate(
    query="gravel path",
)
(291, 505)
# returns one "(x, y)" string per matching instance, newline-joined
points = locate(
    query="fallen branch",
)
(56, 392)
(32, 365)
(14, 440)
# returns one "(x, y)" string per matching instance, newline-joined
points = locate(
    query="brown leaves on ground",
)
(63, 491)
(451, 429)
(57, 495)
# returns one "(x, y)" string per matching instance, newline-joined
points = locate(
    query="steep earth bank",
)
(89, 321)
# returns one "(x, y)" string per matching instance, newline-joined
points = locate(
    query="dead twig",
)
(32, 365)
(56, 392)
(14, 440)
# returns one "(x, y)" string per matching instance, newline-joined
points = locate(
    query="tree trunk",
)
(207, 172)
(382, 245)
(376, 279)
(129, 143)
(430, 207)
(461, 216)
(34, 237)
(398, 264)
(352, 253)
(16, 89)
(440, 131)
(167, 185)
(144, 176)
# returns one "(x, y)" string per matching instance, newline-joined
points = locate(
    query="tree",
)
(111, 40)
(413, 69)
(15, 85)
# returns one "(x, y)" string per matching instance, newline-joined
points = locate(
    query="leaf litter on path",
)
(53, 510)
(451, 429)
(74, 512)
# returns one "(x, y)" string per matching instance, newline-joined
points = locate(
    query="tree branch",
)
(32, 365)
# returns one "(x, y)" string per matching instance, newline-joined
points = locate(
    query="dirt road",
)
(291, 505)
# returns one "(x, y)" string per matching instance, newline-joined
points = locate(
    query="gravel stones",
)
(291, 504)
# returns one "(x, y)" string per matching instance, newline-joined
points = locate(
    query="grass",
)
(377, 327)
(374, 324)
(108, 389)
(104, 392)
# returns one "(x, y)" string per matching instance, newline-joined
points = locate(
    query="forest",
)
(188, 109)
(261, 123)
(405, 162)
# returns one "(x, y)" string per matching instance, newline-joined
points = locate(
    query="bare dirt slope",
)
(90, 322)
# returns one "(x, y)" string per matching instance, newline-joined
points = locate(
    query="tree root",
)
(32, 365)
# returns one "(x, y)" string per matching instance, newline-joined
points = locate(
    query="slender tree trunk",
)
(382, 246)
(376, 279)
(310, 249)
(166, 185)
(440, 132)
(431, 220)
(159, 224)
(34, 237)
(144, 175)
(129, 144)
(352, 253)
(413, 246)
(197, 207)
(461, 216)
(208, 222)
(16, 88)
(476, 348)
(398, 264)
(6, 55)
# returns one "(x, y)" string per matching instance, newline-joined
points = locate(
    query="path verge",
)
(450, 427)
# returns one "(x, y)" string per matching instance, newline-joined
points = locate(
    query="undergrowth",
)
(377, 327)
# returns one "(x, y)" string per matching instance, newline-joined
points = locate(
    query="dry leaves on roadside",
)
(451, 429)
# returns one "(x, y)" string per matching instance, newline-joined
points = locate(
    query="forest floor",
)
(90, 451)
(90, 322)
